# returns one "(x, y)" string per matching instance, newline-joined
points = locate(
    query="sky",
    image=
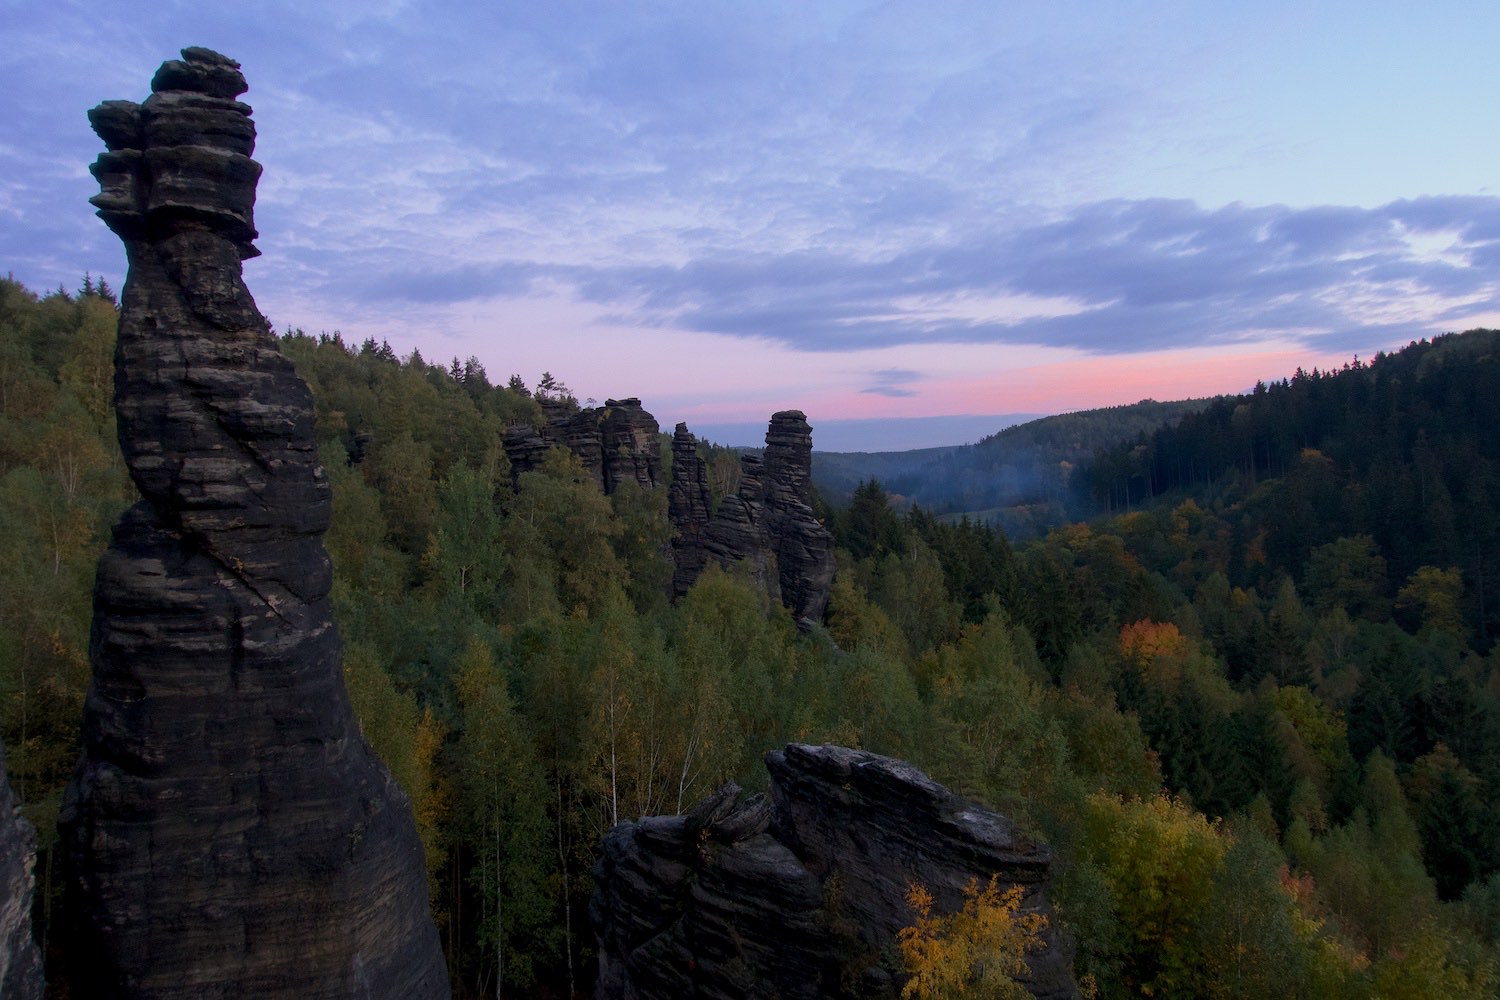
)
(866, 211)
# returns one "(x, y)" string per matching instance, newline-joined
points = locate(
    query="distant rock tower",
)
(228, 832)
(689, 508)
(767, 524)
(615, 442)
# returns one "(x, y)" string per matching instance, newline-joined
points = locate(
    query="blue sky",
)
(860, 210)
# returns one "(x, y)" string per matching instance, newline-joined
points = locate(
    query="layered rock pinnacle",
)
(228, 831)
(767, 524)
(689, 508)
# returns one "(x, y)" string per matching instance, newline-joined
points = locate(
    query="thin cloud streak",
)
(893, 382)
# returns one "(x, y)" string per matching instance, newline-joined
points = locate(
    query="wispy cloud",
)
(1139, 275)
(894, 382)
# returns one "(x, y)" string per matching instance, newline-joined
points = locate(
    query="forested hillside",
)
(1397, 460)
(1268, 765)
(1017, 479)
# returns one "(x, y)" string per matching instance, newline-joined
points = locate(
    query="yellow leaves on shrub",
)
(977, 951)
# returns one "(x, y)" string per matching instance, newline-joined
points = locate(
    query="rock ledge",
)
(800, 895)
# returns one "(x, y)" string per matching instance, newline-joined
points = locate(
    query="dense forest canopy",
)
(1250, 695)
(1397, 460)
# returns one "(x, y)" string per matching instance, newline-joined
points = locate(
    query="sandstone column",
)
(228, 831)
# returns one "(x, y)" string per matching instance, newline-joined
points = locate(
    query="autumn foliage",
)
(1146, 641)
(977, 951)
(1158, 857)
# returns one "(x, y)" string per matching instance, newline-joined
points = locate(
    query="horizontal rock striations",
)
(800, 896)
(630, 439)
(768, 524)
(616, 442)
(227, 832)
(20, 960)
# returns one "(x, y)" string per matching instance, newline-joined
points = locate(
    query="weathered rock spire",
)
(689, 509)
(767, 524)
(228, 831)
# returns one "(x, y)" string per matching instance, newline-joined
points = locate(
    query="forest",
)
(1248, 691)
(1017, 479)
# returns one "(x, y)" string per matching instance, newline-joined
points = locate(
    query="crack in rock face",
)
(20, 959)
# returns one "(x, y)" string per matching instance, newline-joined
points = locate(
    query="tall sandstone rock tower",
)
(768, 523)
(228, 831)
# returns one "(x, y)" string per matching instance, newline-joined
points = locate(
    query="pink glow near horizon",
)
(680, 375)
(1093, 382)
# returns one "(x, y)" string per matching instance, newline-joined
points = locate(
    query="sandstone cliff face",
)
(689, 509)
(801, 895)
(20, 961)
(616, 442)
(767, 524)
(228, 832)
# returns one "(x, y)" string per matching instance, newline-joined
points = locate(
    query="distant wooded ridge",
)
(889, 434)
(1017, 478)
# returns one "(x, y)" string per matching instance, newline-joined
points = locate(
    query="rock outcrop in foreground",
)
(800, 896)
(768, 523)
(20, 961)
(228, 832)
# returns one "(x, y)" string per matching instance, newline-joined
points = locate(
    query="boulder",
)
(228, 831)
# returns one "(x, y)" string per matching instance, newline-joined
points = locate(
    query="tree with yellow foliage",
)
(1158, 857)
(977, 951)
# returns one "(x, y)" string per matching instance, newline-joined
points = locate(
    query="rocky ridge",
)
(616, 442)
(801, 895)
(227, 832)
(768, 524)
